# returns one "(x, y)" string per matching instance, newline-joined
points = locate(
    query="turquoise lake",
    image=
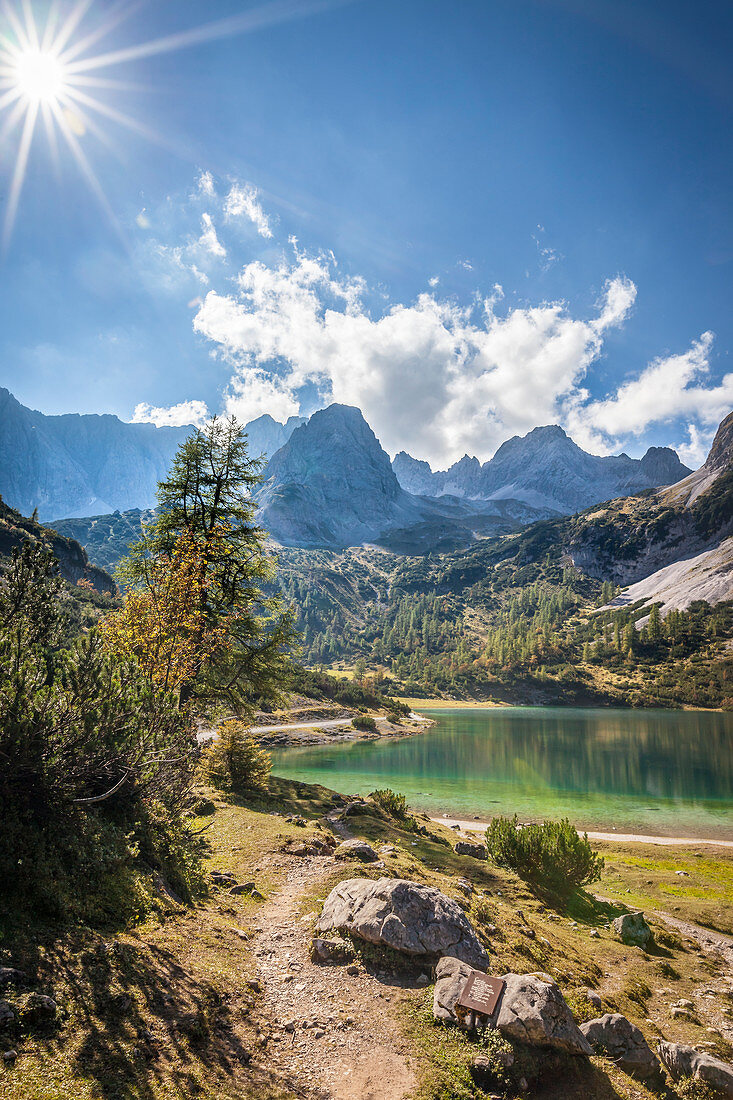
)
(663, 772)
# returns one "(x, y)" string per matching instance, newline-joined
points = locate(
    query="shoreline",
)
(613, 837)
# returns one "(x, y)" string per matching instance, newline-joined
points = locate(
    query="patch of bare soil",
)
(331, 1030)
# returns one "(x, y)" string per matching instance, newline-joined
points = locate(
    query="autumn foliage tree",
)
(196, 609)
(164, 624)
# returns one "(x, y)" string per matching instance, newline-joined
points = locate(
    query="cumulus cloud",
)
(431, 377)
(186, 412)
(242, 201)
(668, 388)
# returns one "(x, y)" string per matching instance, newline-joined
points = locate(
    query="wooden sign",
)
(481, 993)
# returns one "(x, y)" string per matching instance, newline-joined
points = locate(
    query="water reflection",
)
(597, 765)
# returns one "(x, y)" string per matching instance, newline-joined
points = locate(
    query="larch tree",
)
(235, 636)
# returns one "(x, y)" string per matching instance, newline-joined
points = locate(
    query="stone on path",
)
(356, 849)
(623, 1042)
(413, 919)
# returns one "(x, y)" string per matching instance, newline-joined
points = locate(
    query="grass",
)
(644, 877)
(183, 977)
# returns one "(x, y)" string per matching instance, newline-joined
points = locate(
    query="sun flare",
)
(40, 76)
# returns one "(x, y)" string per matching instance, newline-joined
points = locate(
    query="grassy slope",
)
(186, 973)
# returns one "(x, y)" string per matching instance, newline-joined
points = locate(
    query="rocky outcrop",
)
(532, 1010)
(618, 1039)
(633, 930)
(416, 920)
(683, 1061)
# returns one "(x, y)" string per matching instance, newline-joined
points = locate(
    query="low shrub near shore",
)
(551, 855)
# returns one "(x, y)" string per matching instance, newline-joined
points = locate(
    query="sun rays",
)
(49, 76)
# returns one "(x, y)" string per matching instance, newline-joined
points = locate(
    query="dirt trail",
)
(333, 1032)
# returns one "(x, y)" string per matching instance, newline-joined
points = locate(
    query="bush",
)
(96, 764)
(551, 855)
(235, 762)
(364, 722)
(394, 804)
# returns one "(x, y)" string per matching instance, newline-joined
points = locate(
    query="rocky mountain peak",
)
(662, 466)
(721, 452)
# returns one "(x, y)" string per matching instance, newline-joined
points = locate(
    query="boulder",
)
(471, 848)
(411, 918)
(633, 930)
(622, 1042)
(37, 1010)
(450, 977)
(243, 888)
(356, 849)
(683, 1061)
(7, 1015)
(532, 1010)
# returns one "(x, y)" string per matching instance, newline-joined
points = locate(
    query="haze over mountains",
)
(328, 482)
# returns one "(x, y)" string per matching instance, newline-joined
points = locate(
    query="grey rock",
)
(450, 977)
(356, 849)
(10, 1055)
(411, 918)
(532, 1010)
(594, 998)
(244, 888)
(7, 1015)
(471, 848)
(37, 1010)
(684, 1061)
(633, 930)
(621, 1041)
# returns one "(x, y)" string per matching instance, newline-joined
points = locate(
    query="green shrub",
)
(96, 764)
(690, 1088)
(394, 804)
(235, 762)
(364, 722)
(551, 855)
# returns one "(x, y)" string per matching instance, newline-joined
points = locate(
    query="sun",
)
(40, 77)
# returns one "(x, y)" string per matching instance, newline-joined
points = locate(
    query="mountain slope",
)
(547, 470)
(74, 564)
(79, 464)
(265, 436)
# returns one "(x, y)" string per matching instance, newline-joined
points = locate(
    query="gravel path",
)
(333, 1031)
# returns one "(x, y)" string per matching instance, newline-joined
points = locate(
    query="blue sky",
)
(466, 217)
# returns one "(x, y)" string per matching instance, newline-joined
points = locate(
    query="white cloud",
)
(252, 392)
(433, 281)
(206, 184)
(187, 412)
(694, 452)
(432, 377)
(209, 240)
(667, 389)
(242, 201)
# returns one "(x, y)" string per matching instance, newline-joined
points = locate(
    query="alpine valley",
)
(545, 575)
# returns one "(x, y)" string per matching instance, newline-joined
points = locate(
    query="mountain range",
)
(327, 480)
(546, 470)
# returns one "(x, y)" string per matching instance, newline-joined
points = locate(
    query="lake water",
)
(665, 772)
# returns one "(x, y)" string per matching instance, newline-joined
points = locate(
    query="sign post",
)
(479, 998)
